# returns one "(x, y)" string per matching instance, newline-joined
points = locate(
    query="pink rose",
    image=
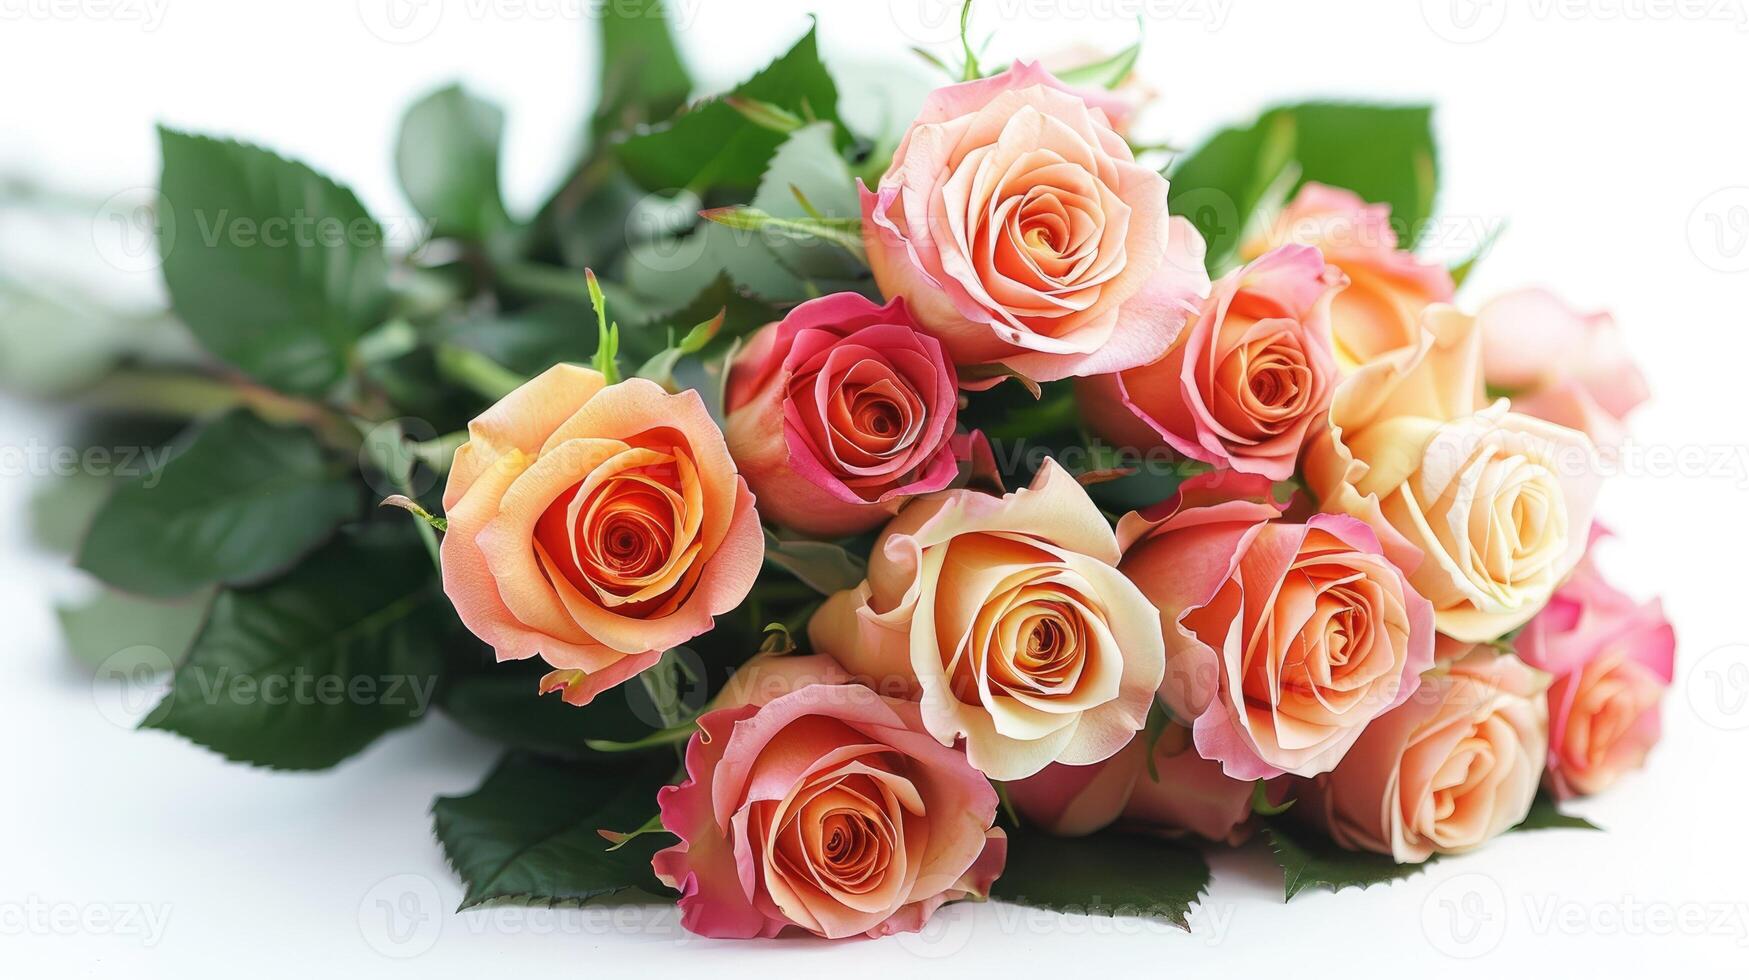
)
(1283, 641)
(1016, 223)
(1612, 658)
(1388, 288)
(828, 809)
(1450, 770)
(840, 413)
(1245, 382)
(1560, 365)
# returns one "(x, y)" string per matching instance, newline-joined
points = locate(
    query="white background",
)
(1609, 132)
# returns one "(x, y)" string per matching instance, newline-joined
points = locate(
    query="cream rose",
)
(1008, 619)
(1490, 509)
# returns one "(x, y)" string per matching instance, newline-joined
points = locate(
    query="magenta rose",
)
(826, 809)
(1612, 659)
(840, 413)
(1017, 224)
(1245, 382)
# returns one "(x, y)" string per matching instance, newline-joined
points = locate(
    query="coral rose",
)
(1016, 223)
(595, 526)
(1453, 768)
(1283, 641)
(1008, 618)
(1612, 659)
(841, 412)
(1244, 383)
(1490, 509)
(1388, 288)
(1561, 365)
(827, 808)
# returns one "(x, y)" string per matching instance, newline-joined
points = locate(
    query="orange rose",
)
(595, 526)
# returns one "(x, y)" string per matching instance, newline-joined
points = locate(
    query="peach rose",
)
(1453, 768)
(828, 809)
(1612, 659)
(595, 526)
(1561, 365)
(1380, 311)
(1018, 227)
(841, 412)
(1283, 641)
(1489, 508)
(1181, 793)
(1244, 383)
(1008, 618)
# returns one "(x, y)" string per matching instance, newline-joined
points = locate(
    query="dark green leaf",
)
(503, 703)
(447, 159)
(1386, 154)
(711, 145)
(1546, 815)
(1105, 874)
(642, 78)
(1308, 859)
(114, 621)
(244, 501)
(530, 833)
(821, 565)
(275, 268)
(310, 669)
(1220, 185)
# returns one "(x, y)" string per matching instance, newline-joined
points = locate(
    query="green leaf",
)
(711, 145)
(606, 358)
(447, 160)
(276, 269)
(526, 341)
(114, 621)
(1220, 185)
(1308, 859)
(1105, 874)
(310, 669)
(820, 565)
(531, 833)
(503, 703)
(642, 78)
(243, 502)
(660, 367)
(1386, 154)
(1105, 73)
(1546, 815)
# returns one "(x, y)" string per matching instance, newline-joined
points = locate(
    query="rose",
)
(1008, 618)
(826, 808)
(1489, 508)
(1018, 227)
(595, 526)
(839, 413)
(1380, 311)
(1560, 365)
(1612, 658)
(1283, 641)
(1244, 383)
(1451, 769)
(1180, 792)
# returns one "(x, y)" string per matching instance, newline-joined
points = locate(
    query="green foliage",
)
(447, 159)
(113, 621)
(1308, 859)
(1108, 873)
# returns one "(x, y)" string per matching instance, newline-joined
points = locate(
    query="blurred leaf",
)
(52, 346)
(1308, 859)
(528, 340)
(114, 621)
(244, 501)
(642, 78)
(820, 565)
(1545, 814)
(1460, 273)
(1105, 73)
(1219, 185)
(447, 159)
(309, 669)
(275, 268)
(531, 833)
(1104, 874)
(502, 703)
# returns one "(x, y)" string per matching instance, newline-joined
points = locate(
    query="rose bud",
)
(827, 809)
(1283, 640)
(1488, 508)
(1560, 365)
(1453, 768)
(1017, 225)
(1612, 659)
(1008, 618)
(1388, 288)
(1244, 383)
(595, 527)
(840, 413)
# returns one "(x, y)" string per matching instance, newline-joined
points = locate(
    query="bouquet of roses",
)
(834, 524)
